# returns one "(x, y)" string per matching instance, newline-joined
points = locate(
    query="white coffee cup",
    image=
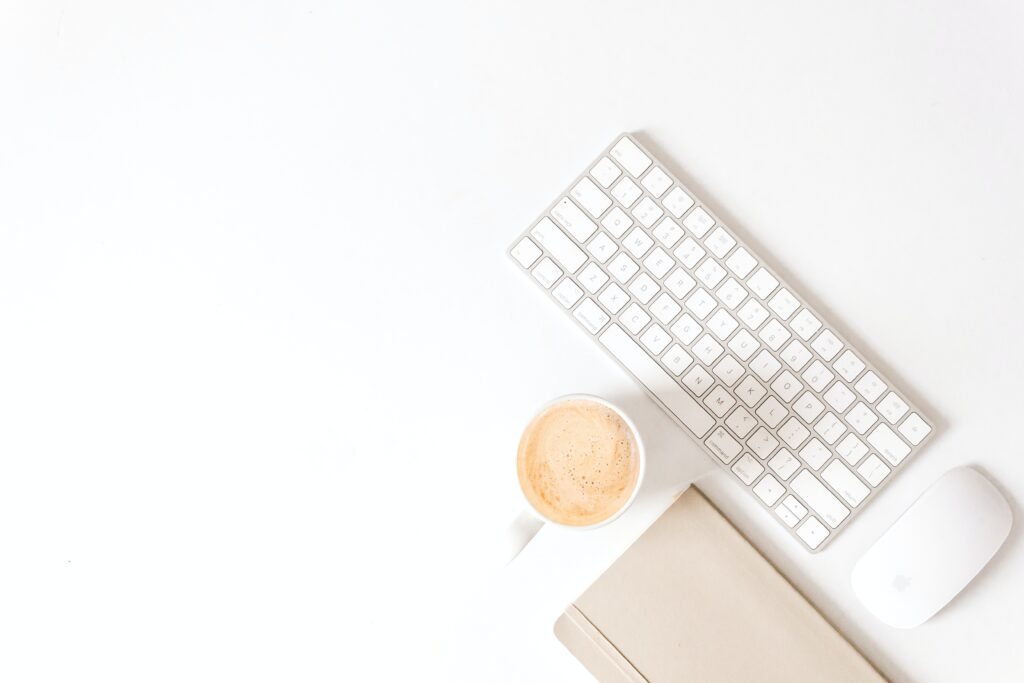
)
(530, 520)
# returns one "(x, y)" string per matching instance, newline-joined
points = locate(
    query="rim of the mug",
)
(641, 451)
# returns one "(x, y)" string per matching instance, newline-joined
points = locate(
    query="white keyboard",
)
(769, 389)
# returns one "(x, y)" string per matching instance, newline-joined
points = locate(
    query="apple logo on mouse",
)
(901, 583)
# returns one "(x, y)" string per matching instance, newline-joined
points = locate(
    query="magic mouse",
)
(933, 550)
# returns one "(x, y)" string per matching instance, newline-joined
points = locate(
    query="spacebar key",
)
(658, 382)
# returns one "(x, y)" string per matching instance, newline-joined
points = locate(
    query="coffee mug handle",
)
(520, 532)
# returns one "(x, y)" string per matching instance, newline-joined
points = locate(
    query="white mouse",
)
(933, 550)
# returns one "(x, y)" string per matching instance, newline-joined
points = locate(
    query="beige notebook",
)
(692, 600)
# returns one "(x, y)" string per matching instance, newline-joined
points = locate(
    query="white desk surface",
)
(263, 363)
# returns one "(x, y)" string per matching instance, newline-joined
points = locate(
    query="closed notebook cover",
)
(692, 600)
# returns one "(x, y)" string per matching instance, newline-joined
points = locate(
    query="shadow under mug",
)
(530, 520)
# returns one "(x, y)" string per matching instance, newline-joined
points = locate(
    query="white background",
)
(263, 363)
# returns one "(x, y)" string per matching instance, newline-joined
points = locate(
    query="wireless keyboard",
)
(769, 389)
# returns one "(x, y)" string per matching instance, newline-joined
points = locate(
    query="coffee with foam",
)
(578, 462)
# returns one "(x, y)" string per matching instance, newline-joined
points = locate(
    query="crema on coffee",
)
(578, 462)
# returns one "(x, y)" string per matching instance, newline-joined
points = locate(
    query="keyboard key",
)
(796, 355)
(637, 242)
(721, 324)
(774, 334)
(723, 445)
(793, 433)
(861, 418)
(626, 192)
(819, 498)
(765, 366)
(605, 172)
(617, 222)
(707, 349)
(656, 182)
(848, 365)
(698, 380)
(750, 391)
(622, 268)
(815, 454)
(602, 247)
(741, 262)
(851, 449)
(762, 443)
(657, 381)
(647, 212)
(668, 232)
(572, 218)
(892, 408)
(812, 532)
(547, 272)
(744, 345)
(731, 293)
(873, 470)
(795, 506)
(827, 345)
(830, 428)
(753, 314)
(526, 252)
(786, 516)
(567, 292)
(784, 464)
(630, 157)
(658, 262)
(740, 422)
(890, 446)
(762, 283)
(665, 308)
(686, 328)
(592, 278)
(699, 222)
(676, 359)
(870, 386)
(710, 273)
(679, 283)
(656, 339)
(772, 412)
(563, 249)
(634, 318)
(590, 197)
(720, 242)
(914, 428)
(808, 407)
(644, 288)
(817, 376)
(728, 370)
(720, 401)
(805, 324)
(747, 469)
(769, 489)
(613, 298)
(786, 386)
(839, 397)
(784, 303)
(845, 483)
(677, 202)
(689, 252)
(592, 317)
(701, 303)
